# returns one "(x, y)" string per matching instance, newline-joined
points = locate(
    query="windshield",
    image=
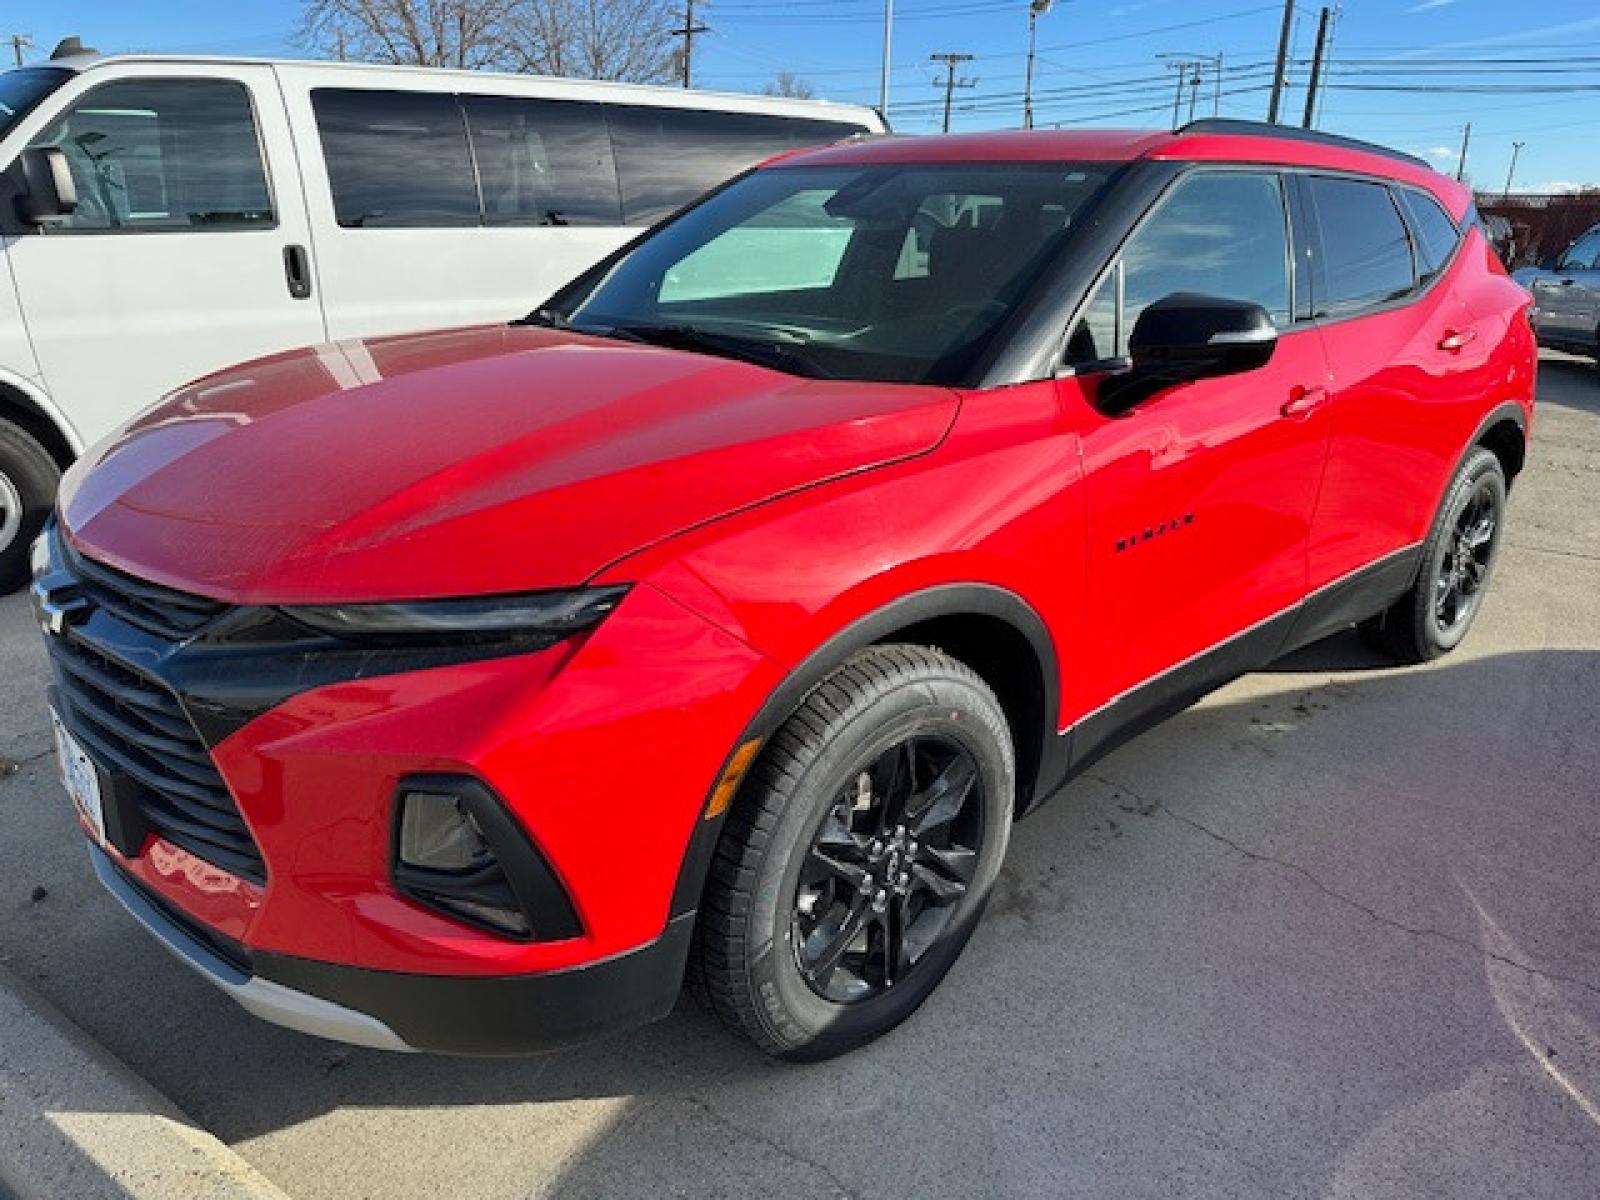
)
(21, 90)
(900, 273)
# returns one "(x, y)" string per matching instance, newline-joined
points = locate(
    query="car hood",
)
(464, 463)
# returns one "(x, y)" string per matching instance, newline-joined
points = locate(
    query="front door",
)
(181, 256)
(1200, 499)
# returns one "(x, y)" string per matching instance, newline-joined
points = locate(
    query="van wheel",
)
(28, 479)
(1457, 559)
(859, 855)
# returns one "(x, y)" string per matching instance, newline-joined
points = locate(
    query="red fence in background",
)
(1538, 227)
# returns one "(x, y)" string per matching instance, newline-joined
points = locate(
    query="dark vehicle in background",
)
(1566, 297)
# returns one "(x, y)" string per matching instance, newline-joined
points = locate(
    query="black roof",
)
(1295, 134)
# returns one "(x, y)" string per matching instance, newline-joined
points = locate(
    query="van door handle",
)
(1456, 340)
(1303, 401)
(297, 271)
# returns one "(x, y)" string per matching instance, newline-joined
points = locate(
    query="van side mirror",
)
(48, 193)
(1185, 337)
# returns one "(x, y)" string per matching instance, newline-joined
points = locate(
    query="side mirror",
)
(1184, 337)
(48, 193)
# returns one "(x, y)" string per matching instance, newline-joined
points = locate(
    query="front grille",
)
(170, 615)
(133, 726)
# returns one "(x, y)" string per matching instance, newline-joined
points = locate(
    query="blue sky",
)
(1098, 62)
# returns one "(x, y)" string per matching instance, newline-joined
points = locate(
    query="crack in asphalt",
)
(1578, 554)
(1151, 805)
(771, 1143)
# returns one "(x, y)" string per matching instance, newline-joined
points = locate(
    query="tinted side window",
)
(1219, 234)
(1366, 254)
(396, 158)
(543, 162)
(1437, 234)
(668, 156)
(164, 154)
(1583, 254)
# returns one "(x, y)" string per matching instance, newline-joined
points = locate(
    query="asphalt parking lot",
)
(1333, 933)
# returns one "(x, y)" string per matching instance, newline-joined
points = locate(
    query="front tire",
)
(28, 479)
(859, 855)
(1433, 617)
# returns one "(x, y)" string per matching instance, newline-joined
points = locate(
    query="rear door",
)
(1567, 302)
(1200, 499)
(182, 255)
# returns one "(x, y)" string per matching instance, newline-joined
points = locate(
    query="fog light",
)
(458, 851)
(438, 833)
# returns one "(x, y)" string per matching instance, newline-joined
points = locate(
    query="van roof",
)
(658, 93)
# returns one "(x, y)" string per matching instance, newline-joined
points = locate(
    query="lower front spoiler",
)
(444, 1014)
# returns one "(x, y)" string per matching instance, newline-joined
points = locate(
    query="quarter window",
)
(668, 156)
(1366, 253)
(543, 162)
(1219, 234)
(1583, 254)
(1437, 234)
(396, 158)
(164, 154)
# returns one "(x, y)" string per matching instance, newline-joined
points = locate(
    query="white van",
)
(163, 217)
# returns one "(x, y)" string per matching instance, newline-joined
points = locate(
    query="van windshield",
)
(901, 273)
(21, 90)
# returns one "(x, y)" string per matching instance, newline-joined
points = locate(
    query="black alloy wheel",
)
(892, 859)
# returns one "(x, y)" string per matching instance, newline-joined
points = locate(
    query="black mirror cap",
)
(1185, 337)
(48, 192)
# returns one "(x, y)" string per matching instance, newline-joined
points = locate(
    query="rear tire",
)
(1458, 558)
(28, 479)
(859, 855)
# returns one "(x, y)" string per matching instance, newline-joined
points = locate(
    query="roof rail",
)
(1294, 134)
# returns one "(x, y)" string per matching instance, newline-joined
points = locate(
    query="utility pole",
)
(1279, 71)
(690, 28)
(1516, 151)
(883, 81)
(951, 62)
(338, 44)
(1461, 166)
(19, 43)
(1194, 88)
(1316, 66)
(1216, 89)
(1181, 66)
(1036, 9)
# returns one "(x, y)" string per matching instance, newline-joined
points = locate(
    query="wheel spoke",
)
(892, 943)
(938, 884)
(894, 780)
(945, 796)
(828, 943)
(845, 860)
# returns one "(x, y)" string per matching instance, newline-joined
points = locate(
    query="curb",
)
(75, 1121)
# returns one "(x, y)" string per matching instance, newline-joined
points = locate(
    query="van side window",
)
(163, 154)
(1366, 253)
(1583, 254)
(396, 158)
(1437, 234)
(1218, 233)
(543, 162)
(668, 156)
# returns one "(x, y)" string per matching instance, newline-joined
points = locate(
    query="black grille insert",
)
(133, 726)
(170, 615)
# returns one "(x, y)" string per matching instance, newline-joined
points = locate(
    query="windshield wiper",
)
(550, 318)
(755, 350)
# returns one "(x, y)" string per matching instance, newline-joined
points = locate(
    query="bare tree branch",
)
(791, 85)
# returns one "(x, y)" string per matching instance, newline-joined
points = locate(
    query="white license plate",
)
(79, 776)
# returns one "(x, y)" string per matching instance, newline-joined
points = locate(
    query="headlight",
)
(533, 616)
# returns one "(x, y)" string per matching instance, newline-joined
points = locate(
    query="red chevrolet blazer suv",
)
(469, 691)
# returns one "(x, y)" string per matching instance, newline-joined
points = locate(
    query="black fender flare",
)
(943, 600)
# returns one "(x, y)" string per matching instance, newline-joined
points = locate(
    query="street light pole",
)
(1516, 150)
(883, 82)
(1036, 9)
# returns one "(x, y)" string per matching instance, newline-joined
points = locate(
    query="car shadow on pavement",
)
(1569, 382)
(1238, 891)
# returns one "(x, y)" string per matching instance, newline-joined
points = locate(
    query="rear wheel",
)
(858, 858)
(28, 478)
(1457, 559)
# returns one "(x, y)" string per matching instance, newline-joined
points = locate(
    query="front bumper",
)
(391, 1010)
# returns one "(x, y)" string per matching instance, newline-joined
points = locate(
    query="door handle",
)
(297, 271)
(1456, 340)
(1303, 401)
